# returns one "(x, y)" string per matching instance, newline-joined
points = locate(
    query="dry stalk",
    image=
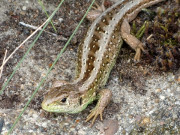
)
(3, 63)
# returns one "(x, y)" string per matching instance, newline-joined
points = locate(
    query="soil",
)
(145, 100)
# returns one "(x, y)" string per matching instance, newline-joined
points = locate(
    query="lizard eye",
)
(63, 100)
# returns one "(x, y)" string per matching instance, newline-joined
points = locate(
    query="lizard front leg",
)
(104, 97)
(131, 40)
(98, 9)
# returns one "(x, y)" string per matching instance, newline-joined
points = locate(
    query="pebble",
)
(66, 123)
(81, 132)
(60, 20)
(146, 121)
(24, 8)
(162, 97)
(35, 116)
(42, 114)
(177, 103)
(158, 90)
(1, 124)
(44, 124)
(156, 100)
(178, 79)
(108, 127)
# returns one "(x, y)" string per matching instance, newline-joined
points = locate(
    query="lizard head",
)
(65, 98)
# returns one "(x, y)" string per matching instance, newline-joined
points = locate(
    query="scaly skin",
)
(96, 57)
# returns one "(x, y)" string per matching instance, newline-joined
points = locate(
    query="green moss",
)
(163, 47)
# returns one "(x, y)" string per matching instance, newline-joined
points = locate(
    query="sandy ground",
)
(145, 101)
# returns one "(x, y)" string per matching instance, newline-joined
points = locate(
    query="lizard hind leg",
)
(104, 97)
(131, 40)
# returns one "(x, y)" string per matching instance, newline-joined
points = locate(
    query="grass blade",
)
(58, 56)
(44, 9)
(19, 66)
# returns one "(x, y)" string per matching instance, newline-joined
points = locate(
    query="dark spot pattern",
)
(112, 49)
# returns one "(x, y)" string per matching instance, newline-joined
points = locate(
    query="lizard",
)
(97, 55)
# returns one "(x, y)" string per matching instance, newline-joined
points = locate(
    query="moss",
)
(162, 37)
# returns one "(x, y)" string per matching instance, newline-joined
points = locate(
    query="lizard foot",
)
(138, 52)
(104, 97)
(94, 114)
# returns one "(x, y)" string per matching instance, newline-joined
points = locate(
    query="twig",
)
(3, 63)
(59, 37)
(35, 27)
(149, 37)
